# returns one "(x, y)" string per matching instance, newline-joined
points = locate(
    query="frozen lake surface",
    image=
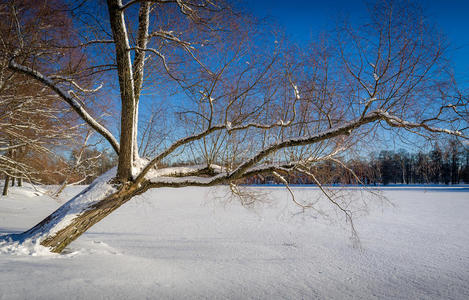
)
(192, 243)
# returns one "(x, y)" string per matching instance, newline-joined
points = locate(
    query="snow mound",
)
(91, 248)
(27, 247)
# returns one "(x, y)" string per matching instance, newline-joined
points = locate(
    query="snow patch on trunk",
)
(29, 242)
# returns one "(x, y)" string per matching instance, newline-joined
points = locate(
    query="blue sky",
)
(301, 18)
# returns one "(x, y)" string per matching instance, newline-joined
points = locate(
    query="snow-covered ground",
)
(188, 243)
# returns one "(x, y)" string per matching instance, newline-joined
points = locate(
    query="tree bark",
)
(5, 187)
(20, 181)
(139, 61)
(84, 221)
(56, 237)
(126, 84)
(62, 187)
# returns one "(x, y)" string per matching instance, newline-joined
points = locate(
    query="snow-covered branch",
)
(75, 84)
(201, 135)
(250, 167)
(74, 104)
(395, 121)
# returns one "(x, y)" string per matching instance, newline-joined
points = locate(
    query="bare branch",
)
(77, 107)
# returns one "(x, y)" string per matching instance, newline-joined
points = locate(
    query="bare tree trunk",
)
(58, 239)
(20, 181)
(126, 84)
(13, 181)
(5, 187)
(403, 172)
(139, 62)
(62, 187)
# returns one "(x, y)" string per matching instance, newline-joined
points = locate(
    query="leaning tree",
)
(243, 102)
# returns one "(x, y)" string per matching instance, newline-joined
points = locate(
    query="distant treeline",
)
(448, 164)
(441, 165)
